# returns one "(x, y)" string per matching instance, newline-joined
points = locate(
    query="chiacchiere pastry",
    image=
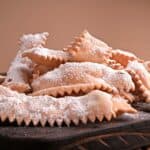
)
(42, 109)
(141, 77)
(47, 57)
(85, 81)
(73, 77)
(86, 47)
(20, 70)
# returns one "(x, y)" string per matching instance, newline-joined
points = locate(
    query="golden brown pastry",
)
(140, 69)
(20, 70)
(123, 57)
(85, 47)
(42, 109)
(46, 57)
(141, 79)
(88, 80)
(81, 77)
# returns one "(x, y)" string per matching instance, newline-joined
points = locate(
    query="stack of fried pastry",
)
(86, 81)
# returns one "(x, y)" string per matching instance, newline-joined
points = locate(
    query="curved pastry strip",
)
(123, 57)
(85, 47)
(78, 89)
(18, 74)
(43, 109)
(141, 91)
(47, 57)
(140, 69)
(73, 75)
(20, 70)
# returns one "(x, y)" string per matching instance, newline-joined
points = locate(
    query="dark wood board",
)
(125, 132)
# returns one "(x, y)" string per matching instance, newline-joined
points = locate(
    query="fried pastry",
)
(140, 69)
(141, 92)
(123, 57)
(141, 78)
(81, 77)
(47, 57)
(20, 70)
(28, 41)
(85, 47)
(43, 109)
(18, 74)
(86, 81)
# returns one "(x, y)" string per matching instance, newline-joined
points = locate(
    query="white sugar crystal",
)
(23, 105)
(135, 65)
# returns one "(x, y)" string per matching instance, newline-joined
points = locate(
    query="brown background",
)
(122, 24)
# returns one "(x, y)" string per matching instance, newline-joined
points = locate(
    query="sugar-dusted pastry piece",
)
(47, 57)
(82, 77)
(86, 47)
(141, 78)
(123, 57)
(140, 69)
(141, 92)
(28, 41)
(20, 70)
(18, 74)
(43, 109)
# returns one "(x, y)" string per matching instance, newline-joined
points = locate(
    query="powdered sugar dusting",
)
(57, 109)
(86, 72)
(135, 65)
(45, 52)
(19, 71)
(99, 45)
(28, 41)
(140, 69)
(119, 79)
(35, 107)
(88, 48)
(21, 68)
